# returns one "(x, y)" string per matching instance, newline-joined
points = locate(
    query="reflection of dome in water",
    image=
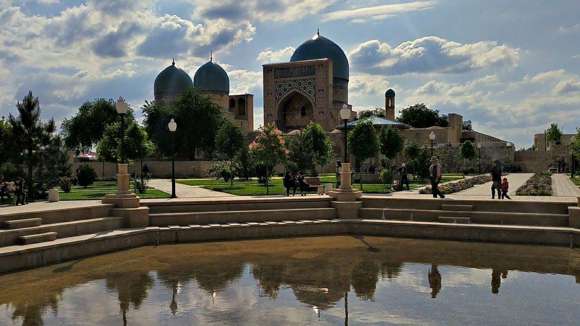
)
(170, 83)
(211, 77)
(319, 47)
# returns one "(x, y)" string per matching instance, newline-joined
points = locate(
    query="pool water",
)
(307, 281)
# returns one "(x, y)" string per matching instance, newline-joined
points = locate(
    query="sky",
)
(511, 67)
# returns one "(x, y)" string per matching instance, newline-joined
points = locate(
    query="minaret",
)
(390, 104)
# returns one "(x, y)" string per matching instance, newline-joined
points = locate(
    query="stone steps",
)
(454, 219)
(223, 217)
(37, 238)
(236, 205)
(59, 215)
(450, 207)
(479, 217)
(24, 223)
(64, 229)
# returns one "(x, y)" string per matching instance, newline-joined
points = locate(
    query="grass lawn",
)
(576, 180)
(253, 188)
(100, 188)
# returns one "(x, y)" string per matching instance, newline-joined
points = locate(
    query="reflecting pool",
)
(307, 281)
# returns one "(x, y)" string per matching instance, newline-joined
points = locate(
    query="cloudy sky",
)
(511, 67)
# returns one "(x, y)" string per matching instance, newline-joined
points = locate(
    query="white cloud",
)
(570, 28)
(378, 12)
(431, 54)
(272, 56)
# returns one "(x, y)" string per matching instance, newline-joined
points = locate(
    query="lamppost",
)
(345, 115)
(432, 137)
(479, 157)
(122, 108)
(172, 126)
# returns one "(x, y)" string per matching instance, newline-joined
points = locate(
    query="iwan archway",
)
(295, 111)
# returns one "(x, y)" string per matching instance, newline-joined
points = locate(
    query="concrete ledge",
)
(347, 209)
(574, 217)
(134, 217)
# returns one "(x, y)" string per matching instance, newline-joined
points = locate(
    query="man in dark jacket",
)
(496, 172)
(435, 174)
(404, 176)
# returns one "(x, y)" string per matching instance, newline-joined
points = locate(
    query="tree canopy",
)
(137, 143)
(363, 142)
(229, 140)
(420, 116)
(554, 134)
(376, 112)
(467, 150)
(87, 127)
(197, 118)
(268, 149)
(391, 142)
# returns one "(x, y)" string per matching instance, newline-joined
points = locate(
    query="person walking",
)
(505, 186)
(288, 183)
(404, 176)
(435, 175)
(300, 181)
(496, 173)
(20, 194)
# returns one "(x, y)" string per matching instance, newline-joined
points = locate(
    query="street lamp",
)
(432, 137)
(345, 115)
(122, 107)
(172, 126)
(479, 157)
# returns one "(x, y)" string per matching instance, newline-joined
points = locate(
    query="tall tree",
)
(86, 128)
(420, 116)
(137, 144)
(229, 141)
(268, 149)
(391, 142)
(197, 118)
(363, 141)
(31, 136)
(299, 156)
(467, 151)
(554, 134)
(318, 144)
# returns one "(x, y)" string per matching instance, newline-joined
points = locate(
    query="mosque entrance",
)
(295, 112)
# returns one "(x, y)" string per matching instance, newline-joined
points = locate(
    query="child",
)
(504, 188)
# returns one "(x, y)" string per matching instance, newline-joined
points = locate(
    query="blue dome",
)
(390, 93)
(211, 77)
(319, 47)
(171, 83)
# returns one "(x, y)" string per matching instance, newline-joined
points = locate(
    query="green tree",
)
(137, 144)
(31, 136)
(363, 142)
(244, 163)
(229, 141)
(86, 176)
(268, 149)
(576, 145)
(412, 150)
(391, 142)
(5, 141)
(420, 116)
(467, 151)
(300, 157)
(554, 134)
(197, 118)
(318, 144)
(87, 127)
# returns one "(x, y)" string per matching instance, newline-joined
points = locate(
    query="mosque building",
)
(212, 81)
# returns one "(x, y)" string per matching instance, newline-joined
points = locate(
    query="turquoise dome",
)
(211, 77)
(319, 47)
(171, 83)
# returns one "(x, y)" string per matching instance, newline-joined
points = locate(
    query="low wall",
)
(158, 169)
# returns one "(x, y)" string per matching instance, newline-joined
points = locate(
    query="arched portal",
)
(295, 111)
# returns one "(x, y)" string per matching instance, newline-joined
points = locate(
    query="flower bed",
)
(540, 184)
(459, 185)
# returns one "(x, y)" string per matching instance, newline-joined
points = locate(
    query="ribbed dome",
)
(171, 83)
(390, 93)
(319, 47)
(211, 77)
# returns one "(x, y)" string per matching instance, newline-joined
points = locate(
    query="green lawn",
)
(576, 180)
(253, 188)
(100, 188)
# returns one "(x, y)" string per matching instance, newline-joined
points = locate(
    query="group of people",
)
(293, 181)
(499, 185)
(18, 188)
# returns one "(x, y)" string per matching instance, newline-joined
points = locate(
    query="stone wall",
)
(159, 169)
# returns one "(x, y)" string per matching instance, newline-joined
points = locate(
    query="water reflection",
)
(263, 281)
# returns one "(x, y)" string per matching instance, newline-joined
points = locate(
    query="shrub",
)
(65, 184)
(140, 186)
(540, 184)
(459, 185)
(86, 176)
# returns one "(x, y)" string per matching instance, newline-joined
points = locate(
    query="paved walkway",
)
(562, 186)
(185, 191)
(44, 205)
(516, 180)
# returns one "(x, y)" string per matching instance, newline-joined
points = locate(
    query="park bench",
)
(313, 184)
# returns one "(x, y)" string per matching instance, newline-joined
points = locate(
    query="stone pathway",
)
(562, 186)
(516, 180)
(185, 191)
